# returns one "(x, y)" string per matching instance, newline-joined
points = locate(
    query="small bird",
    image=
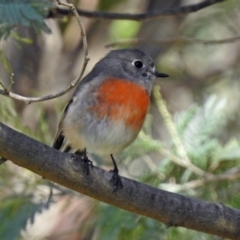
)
(109, 107)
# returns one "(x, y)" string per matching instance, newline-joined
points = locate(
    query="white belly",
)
(102, 138)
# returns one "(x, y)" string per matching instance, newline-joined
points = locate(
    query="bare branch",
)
(173, 40)
(186, 164)
(29, 100)
(169, 208)
(172, 12)
(229, 175)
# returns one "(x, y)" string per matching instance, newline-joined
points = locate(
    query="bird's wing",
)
(60, 138)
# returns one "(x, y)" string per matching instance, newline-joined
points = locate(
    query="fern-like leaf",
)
(196, 128)
(28, 13)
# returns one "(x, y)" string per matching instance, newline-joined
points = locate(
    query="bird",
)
(108, 107)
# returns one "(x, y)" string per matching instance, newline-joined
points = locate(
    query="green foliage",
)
(15, 211)
(5, 62)
(125, 29)
(118, 224)
(28, 13)
(11, 118)
(143, 145)
(8, 68)
(20, 198)
(196, 128)
(9, 115)
(186, 234)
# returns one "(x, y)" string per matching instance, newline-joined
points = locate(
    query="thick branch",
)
(137, 17)
(169, 208)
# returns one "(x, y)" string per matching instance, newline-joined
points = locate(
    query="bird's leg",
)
(85, 160)
(116, 179)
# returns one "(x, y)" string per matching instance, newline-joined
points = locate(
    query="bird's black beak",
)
(158, 74)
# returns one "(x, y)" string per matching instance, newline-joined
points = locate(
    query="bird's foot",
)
(86, 162)
(116, 179)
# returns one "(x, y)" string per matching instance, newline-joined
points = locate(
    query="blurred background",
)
(202, 96)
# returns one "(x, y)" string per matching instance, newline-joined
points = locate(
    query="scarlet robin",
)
(109, 106)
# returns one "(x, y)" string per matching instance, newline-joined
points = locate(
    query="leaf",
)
(28, 13)
(231, 151)
(124, 224)
(15, 212)
(21, 39)
(5, 62)
(196, 128)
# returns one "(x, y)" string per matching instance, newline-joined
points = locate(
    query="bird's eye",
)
(138, 64)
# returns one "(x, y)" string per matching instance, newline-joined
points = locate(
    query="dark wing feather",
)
(60, 138)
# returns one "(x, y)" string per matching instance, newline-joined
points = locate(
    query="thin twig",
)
(29, 100)
(11, 82)
(161, 104)
(84, 36)
(229, 175)
(173, 40)
(184, 163)
(171, 12)
(6, 90)
(183, 159)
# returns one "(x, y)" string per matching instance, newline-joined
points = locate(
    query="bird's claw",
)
(86, 163)
(116, 181)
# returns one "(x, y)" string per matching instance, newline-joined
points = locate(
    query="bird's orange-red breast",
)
(121, 100)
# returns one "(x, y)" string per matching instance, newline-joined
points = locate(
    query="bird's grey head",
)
(130, 64)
